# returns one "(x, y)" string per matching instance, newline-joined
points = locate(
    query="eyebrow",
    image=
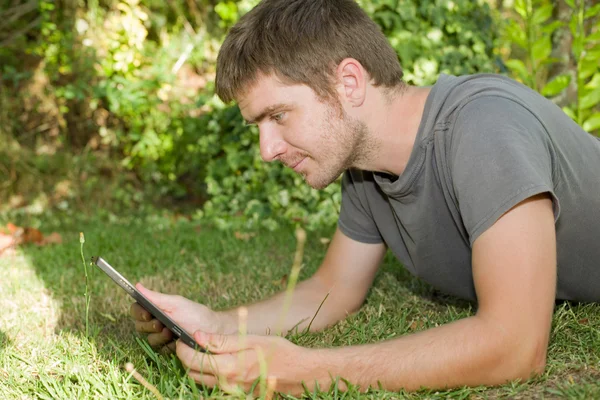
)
(266, 111)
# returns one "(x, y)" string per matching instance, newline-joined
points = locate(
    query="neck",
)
(393, 124)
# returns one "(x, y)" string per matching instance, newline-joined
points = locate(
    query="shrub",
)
(133, 78)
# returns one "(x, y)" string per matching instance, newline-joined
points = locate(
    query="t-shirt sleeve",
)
(500, 155)
(356, 219)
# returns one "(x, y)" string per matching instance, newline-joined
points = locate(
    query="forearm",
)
(266, 317)
(467, 352)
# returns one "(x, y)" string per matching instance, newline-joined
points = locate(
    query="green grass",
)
(44, 352)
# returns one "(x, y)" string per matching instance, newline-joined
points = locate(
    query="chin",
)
(317, 186)
(321, 182)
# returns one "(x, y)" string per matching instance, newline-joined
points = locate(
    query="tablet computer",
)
(147, 304)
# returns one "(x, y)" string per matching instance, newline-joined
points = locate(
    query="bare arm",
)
(346, 274)
(514, 269)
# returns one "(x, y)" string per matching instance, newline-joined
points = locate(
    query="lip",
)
(297, 166)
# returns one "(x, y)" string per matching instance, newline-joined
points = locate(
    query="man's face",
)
(314, 138)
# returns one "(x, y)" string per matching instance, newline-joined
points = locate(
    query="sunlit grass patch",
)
(29, 312)
(44, 352)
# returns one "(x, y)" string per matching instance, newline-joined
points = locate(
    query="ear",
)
(352, 81)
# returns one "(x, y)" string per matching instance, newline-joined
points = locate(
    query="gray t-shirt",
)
(485, 143)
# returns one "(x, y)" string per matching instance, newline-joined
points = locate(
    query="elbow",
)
(343, 300)
(523, 361)
(535, 363)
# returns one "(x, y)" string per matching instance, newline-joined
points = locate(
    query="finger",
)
(161, 338)
(211, 381)
(218, 344)
(139, 313)
(162, 300)
(171, 346)
(168, 349)
(153, 326)
(218, 365)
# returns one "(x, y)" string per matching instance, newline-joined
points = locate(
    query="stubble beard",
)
(347, 146)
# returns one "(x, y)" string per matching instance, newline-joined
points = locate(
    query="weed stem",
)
(87, 293)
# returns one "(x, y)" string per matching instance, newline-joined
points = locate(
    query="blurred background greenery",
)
(108, 106)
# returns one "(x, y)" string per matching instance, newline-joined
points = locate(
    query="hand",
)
(189, 315)
(234, 362)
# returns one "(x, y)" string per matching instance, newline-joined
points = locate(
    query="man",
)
(479, 185)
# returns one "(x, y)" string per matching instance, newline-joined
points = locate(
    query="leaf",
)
(32, 235)
(556, 85)
(541, 49)
(227, 11)
(590, 100)
(569, 111)
(108, 317)
(324, 240)
(588, 67)
(416, 325)
(18, 235)
(519, 67)
(550, 60)
(577, 46)
(570, 3)
(281, 282)
(12, 228)
(516, 34)
(592, 123)
(573, 25)
(551, 27)
(594, 83)
(6, 242)
(542, 14)
(594, 37)
(244, 235)
(521, 8)
(53, 238)
(592, 11)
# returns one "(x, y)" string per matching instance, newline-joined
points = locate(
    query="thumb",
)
(160, 299)
(218, 343)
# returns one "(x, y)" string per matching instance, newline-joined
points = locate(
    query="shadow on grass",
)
(141, 252)
(176, 257)
(179, 258)
(420, 288)
(207, 266)
(4, 341)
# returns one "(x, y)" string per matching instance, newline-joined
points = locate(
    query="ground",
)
(44, 351)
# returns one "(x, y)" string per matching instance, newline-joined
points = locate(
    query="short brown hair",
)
(302, 42)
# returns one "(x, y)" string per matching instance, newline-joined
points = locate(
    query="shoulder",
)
(493, 110)
(495, 121)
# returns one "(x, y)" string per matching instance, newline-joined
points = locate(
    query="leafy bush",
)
(134, 78)
(245, 191)
(438, 36)
(529, 43)
(586, 53)
(429, 36)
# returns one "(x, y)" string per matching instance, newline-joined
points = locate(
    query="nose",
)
(272, 144)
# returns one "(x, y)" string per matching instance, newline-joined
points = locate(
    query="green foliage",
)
(586, 53)
(529, 34)
(134, 78)
(241, 184)
(437, 36)
(430, 37)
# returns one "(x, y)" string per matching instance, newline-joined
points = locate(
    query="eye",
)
(278, 117)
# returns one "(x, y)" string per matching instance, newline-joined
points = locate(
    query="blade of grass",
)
(87, 293)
